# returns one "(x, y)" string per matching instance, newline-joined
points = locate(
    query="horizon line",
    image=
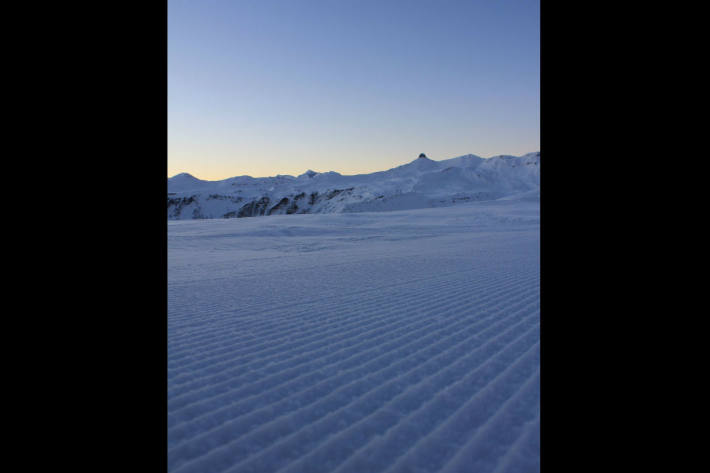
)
(359, 174)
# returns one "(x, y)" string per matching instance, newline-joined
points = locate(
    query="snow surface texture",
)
(420, 184)
(405, 341)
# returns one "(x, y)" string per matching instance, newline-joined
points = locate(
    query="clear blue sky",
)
(266, 87)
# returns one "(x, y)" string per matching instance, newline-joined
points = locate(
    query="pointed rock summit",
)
(309, 173)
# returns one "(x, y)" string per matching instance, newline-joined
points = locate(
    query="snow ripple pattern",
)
(408, 343)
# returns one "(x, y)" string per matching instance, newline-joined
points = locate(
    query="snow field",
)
(400, 341)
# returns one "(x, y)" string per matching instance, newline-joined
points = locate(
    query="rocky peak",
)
(309, 173)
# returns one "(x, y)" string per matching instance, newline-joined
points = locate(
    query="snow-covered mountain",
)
(418, 184)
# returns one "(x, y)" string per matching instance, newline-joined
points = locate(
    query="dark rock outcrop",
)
(176, 204)
(281, 205)
(254, 208)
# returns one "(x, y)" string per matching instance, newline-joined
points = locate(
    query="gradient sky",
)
(266, 87)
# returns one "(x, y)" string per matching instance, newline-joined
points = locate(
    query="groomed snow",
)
(357, 342)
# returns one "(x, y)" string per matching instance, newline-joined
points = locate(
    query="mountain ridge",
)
(422, 182)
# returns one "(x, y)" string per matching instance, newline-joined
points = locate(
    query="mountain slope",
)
(419, 184)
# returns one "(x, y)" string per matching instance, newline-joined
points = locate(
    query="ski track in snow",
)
(403, 341)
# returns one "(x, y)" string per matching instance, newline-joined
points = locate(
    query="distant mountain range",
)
(418, 184)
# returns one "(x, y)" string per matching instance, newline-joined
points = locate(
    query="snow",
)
(356, 342)
(422, 183)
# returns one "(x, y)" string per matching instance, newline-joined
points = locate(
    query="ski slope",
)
(404, 341)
